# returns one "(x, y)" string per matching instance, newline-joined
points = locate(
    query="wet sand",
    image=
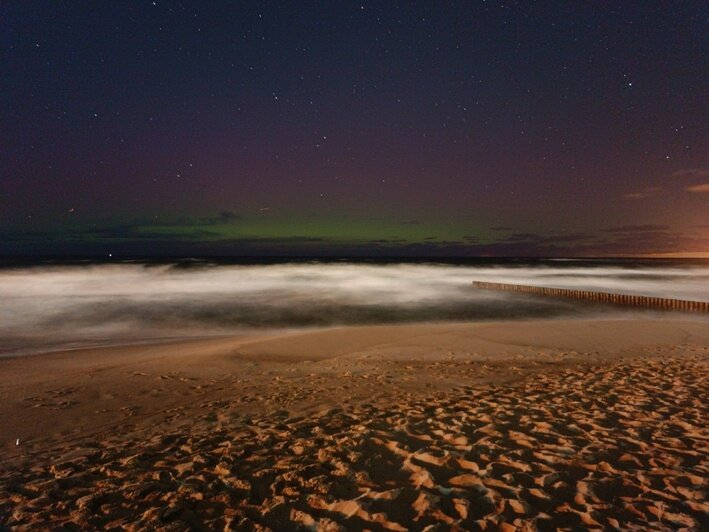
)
(498, 426)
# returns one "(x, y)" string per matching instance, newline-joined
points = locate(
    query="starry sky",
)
(354, 128)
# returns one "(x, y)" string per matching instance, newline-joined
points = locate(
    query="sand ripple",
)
(623, 446)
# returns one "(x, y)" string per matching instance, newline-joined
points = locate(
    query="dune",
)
(499, 426)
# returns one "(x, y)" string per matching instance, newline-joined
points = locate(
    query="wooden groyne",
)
(628, 300)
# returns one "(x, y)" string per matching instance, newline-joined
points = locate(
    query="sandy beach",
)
(533, 425)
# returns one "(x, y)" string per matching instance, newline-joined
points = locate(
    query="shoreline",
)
(619, 314)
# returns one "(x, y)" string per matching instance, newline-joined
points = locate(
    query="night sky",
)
(366, 128)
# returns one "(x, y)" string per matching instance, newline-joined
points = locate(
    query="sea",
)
(59, 303)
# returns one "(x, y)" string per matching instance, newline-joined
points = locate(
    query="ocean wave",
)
(62, 304)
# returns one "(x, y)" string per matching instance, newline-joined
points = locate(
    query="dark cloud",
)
(636, 228)
(573, 237)
(141, 232)
(223, 217)
(269, 240)
(642, 194)
(522, 237)
(629, 240)
(111, 234)
(534, 238)
(695, 173)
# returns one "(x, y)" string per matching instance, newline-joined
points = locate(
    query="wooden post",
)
(657, 303)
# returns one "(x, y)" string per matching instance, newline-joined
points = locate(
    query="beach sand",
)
(497, 426)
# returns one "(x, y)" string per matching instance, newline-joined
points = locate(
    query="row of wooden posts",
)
(659, 303)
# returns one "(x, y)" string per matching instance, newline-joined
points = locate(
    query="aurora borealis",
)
(342, 128)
